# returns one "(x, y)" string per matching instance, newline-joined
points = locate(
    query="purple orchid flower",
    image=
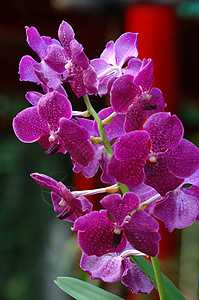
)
(64, 202)
(39, 72)
(70, 61)
(98, 235)
(113, 267)
(180, 208)
(113, 130)
(110, 64)
(136, 80)
(147, 105)
(49, 124)
(164, 165)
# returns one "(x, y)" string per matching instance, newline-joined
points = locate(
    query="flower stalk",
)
(158, 276)
(141, 148)
(100, 126)
(124, 189)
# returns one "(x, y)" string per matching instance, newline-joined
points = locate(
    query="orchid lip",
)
(116, 239)
(148, 169)
(149, 106)
(53, 148)
(66, 212)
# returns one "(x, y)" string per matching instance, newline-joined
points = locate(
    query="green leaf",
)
(170, 289)
(82, 290)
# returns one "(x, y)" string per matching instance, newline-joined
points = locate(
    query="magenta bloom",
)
(49, 124)
(98, 235)
(68, 206)
(180, 208)
(145, 106)
(125, 84)
(110, 64)
(113, 267)
(128, 88)
(164, 164)
(39, 72)
(70, 61)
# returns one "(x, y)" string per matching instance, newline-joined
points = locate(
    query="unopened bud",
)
(143, 206)
(112, 189)
(96, 140)
(86, 114)
(109, 119)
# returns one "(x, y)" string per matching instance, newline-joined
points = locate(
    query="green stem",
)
(100, 126)
(124, 189)
(158, 276)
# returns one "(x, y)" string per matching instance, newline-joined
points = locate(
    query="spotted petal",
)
(76, 142)
(66, 35)
(53, 106)
(123, 93)
(165, 131)
(119, 207)
(183, 161)
(27, 69)
(95, 234)
(132, 146)
(179, 208)
(137, 281)
(107, 268)
(142, 234)
(130, 172)
(35, 41)
(29, 126)
(161, 178)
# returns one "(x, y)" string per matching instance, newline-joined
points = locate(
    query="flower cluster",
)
(139, 147)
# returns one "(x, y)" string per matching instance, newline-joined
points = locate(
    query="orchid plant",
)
(140, 149)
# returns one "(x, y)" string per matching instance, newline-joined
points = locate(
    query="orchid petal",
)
(28, 125)
(141, 232)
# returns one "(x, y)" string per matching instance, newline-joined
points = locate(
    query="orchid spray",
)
(140, 149)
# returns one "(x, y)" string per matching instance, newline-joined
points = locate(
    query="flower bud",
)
(109, 119)
(112, 189)
(96, 140)
(86, 114)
